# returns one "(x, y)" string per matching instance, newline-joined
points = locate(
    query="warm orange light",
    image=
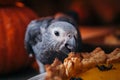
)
(19, 4)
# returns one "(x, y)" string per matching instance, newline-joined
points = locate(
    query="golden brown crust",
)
(114, 56)
(55, 71)
(77, 63)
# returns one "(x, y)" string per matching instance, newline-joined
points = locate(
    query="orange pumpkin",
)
(13, 23)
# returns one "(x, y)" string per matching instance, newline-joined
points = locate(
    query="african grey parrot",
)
(52, 37)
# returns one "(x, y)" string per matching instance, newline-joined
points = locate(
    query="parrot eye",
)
(69, 36)
(56, 33)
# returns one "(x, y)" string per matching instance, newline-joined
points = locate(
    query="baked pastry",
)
(84, 64)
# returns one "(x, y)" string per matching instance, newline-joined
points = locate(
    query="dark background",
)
(89, 12)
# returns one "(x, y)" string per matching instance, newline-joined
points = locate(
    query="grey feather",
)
(34, 32)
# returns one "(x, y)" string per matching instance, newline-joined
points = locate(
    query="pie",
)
(95, 65)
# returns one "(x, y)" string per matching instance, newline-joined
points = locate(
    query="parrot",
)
(52, 37)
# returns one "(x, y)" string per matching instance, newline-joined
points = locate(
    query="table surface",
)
(92, 32)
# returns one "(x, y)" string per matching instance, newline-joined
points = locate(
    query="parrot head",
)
(62, 36)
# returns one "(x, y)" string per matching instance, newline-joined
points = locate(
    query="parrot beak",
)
(71, 44)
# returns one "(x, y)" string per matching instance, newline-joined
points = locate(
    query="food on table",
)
(78, 65)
